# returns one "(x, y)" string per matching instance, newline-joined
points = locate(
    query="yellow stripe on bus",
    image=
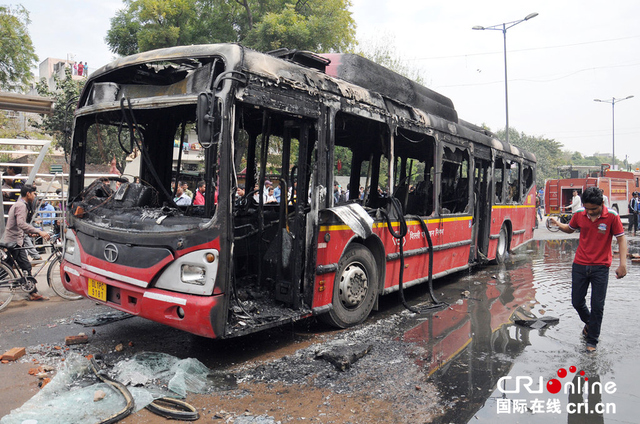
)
(396, 223)
(512, 206)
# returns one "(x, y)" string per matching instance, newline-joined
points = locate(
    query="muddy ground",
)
(441, 366)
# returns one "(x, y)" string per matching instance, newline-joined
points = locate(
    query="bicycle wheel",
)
(6, 292)
(551, 227)
(55, 281)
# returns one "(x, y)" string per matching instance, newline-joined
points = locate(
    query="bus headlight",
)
(70, 251)
(193, 274)
(70, 247)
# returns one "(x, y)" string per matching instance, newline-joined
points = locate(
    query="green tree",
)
(102, 140)
(121, 37)
(150, 24)
(65, 96)
(383, 51)
(321, 25)
(548, 153)
(17, 54)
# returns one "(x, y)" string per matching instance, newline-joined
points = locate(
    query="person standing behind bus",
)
(198, 200)
(575, 202)
(597, 225)
(634, 205)
(181, 197)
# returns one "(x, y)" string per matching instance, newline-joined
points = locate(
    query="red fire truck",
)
(618, 186)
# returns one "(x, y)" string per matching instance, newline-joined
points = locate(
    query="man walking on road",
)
(17, 226)
(597, 225)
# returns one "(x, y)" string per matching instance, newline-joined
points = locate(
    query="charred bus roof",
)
(179, 74)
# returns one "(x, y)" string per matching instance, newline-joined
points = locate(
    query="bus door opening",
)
(273, 156)
(482, 205)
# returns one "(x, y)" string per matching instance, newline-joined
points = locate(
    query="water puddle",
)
(481, 361)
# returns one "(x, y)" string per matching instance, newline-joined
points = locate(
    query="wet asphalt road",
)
(462, 351)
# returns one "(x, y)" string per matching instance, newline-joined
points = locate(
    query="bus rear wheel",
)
(503, 245)
(354, 288)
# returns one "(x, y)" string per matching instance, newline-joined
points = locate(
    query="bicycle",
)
(12, 278)
(564, 218)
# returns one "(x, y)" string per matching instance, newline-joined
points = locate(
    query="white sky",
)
(558, 62)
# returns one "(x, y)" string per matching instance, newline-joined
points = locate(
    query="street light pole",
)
(504, 27)
(613, 102)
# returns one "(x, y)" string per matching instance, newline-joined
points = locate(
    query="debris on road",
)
(102, 319)
(99, 395)
(79, 339)
(13, 354)
(537, 323)
(76, 395)
(342, 355)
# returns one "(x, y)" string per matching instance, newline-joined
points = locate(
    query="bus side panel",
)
(332, 241)
(524, 220)
(452, 235)
(521, 219)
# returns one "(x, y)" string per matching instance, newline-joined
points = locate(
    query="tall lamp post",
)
(504, 27)
(613, 102)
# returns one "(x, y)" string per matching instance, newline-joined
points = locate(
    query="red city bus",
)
(423, 183)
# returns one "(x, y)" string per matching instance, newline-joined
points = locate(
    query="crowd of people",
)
(80, 69)
(185, 197)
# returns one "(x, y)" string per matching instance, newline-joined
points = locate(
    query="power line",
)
(527, 49)
(595, 68)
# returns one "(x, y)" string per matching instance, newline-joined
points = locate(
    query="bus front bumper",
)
(186, 312)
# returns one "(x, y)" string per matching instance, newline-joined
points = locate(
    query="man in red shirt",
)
(597, 225)
(198, 200)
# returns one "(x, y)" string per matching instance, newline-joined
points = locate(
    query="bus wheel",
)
(503, 245)
(354, 288)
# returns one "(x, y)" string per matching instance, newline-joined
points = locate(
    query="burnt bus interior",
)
(269, 237)
(121, 202)
(146, 131)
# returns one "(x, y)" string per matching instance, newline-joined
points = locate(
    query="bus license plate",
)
(97, 290)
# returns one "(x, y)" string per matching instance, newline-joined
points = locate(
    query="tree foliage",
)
(17, 54)
(548, 153)
(320, 25)
(102, 140)
(65, 96)
(382, 50)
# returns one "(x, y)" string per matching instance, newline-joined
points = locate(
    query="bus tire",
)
(503, 245)
(354, 288)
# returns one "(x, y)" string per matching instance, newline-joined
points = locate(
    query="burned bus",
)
(429, 195)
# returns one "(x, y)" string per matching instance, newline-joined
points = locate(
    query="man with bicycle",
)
(17, 226)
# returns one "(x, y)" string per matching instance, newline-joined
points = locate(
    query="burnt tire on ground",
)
(354, 288)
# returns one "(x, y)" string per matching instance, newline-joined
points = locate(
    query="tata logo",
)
(111, 252)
